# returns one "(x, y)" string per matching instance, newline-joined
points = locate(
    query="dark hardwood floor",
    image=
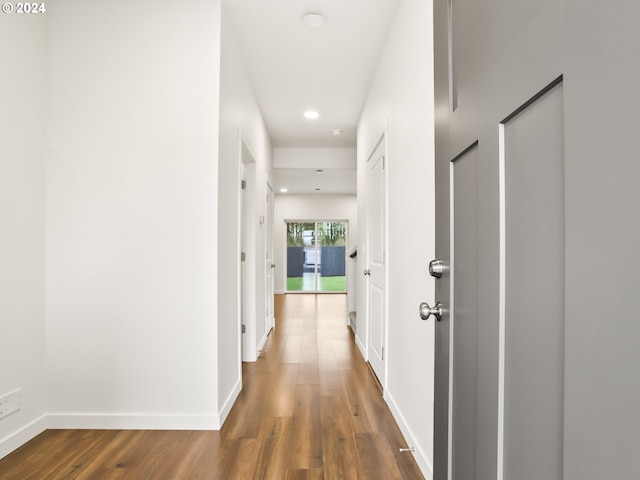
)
(309, 409)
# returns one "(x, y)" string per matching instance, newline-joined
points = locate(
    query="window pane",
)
(316, 264)
(332, 239)
(301, 256)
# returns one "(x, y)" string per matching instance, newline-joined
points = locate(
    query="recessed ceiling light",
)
(319, 170)
(317, 189)
(337, 132)
(313, 20)
(283, 190)
(311, 114)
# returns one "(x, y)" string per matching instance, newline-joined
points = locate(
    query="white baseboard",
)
(421, 459)
(98, 421)
(22, 436)
(261, 343)
(251, 356)
(228, 404)
(279, 292)
(361, 346)
(118, 422)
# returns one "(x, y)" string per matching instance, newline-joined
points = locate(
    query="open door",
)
(500, 218)
(533, 355)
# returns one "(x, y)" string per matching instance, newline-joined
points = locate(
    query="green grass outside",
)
(337, 284)
(325, 284)
(294, 283)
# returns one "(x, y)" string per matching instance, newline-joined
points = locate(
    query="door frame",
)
(315, 221)
(268, 248)
(384, 144)
(248, 244)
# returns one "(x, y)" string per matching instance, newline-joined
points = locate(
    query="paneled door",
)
(537, 214)
(376, 271)
(500, 228)
(537, 219)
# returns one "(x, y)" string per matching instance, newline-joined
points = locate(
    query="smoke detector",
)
(313, 20)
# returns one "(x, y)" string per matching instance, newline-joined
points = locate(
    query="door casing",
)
(376, 270)
(269, 266)
(248, 246)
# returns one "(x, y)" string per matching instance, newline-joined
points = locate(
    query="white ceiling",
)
(294, 68)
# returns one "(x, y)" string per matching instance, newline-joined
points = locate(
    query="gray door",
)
(521, 387)
(602, 171)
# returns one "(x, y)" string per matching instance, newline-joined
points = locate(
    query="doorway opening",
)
(316, 256)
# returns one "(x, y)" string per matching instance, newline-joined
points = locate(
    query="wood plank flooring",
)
(310, 409)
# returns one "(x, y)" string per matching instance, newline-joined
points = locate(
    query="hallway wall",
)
(239, 117)
(132, 182)
(22, 210)
(401, 98)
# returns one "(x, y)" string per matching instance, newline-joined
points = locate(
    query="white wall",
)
(402, 95)
(22, 210)
(310, 207)
(314, 157)
(132, 201)
(239, 117)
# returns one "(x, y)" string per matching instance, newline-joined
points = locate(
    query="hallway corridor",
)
(310, 409)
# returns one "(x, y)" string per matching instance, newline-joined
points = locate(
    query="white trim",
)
(240, 232)
(383, 142)
(263, 341)
(228, 403)
(107, 421)
(248, 295)
(269, 272)
(317, 292)
(451, 320)
(383, 138)
(385, 254)
(352, 322)
(422, 459)
(502, 299)
(15, 440)
(95, 421)
(318, 220)
(361, 347)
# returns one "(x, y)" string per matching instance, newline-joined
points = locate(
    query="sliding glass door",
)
(316, 256)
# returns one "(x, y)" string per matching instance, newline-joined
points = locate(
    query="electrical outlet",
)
(10, 403)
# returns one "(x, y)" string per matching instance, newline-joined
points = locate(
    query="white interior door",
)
(269, 265)
(376, 272)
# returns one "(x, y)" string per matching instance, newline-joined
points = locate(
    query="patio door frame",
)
(316, 247)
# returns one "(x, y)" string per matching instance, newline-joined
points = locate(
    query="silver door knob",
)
(426, 311)
(436, 268)
(367, 272)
